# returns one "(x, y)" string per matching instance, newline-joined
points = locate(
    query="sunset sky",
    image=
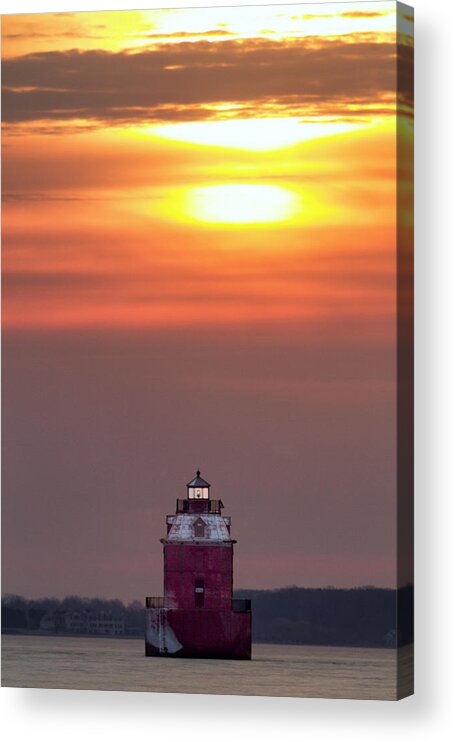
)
(199, 233)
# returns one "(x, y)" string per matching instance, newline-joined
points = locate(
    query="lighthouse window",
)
(198, 493)
(199, 528)
(199, 593)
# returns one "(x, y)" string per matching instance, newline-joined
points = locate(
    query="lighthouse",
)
(198, 615)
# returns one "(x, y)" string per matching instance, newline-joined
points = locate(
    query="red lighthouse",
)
(198, 616)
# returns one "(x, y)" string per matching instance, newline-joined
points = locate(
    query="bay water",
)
(275, 670)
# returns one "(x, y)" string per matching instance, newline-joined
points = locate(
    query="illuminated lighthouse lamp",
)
(198, 488)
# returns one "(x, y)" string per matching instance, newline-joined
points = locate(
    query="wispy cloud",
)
(362, 14)
(186, 34)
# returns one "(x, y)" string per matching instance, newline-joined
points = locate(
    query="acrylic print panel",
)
(207, 315)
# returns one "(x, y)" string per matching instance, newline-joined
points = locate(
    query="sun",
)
(240, 204)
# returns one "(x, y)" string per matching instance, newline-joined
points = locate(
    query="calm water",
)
(276, 670)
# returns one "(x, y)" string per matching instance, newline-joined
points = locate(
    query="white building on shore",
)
(83, 622)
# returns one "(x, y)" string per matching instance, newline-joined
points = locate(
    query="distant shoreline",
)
(66, 634)
(139, 637)
(365, 617)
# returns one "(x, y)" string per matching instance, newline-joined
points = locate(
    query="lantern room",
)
(198, 488)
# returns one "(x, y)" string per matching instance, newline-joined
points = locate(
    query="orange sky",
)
(140, 147)
(208, 170)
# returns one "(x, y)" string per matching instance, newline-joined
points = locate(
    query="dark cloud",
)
(166, 83)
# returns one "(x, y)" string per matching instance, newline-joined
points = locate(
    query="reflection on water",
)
(276, 670)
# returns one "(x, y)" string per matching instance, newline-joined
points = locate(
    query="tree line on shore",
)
(367, 616)
(364, 617)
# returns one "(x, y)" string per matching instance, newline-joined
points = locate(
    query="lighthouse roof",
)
(182, 528)
(198, 481)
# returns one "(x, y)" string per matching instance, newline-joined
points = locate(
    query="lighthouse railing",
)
(203, 506)
(154, 602)
(241, 605)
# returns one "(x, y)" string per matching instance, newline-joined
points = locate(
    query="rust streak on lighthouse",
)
(198, 616)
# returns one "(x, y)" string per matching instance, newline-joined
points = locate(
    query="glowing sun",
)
(240, 204)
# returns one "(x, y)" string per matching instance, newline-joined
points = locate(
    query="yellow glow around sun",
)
(240, 204)
(257, 135)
